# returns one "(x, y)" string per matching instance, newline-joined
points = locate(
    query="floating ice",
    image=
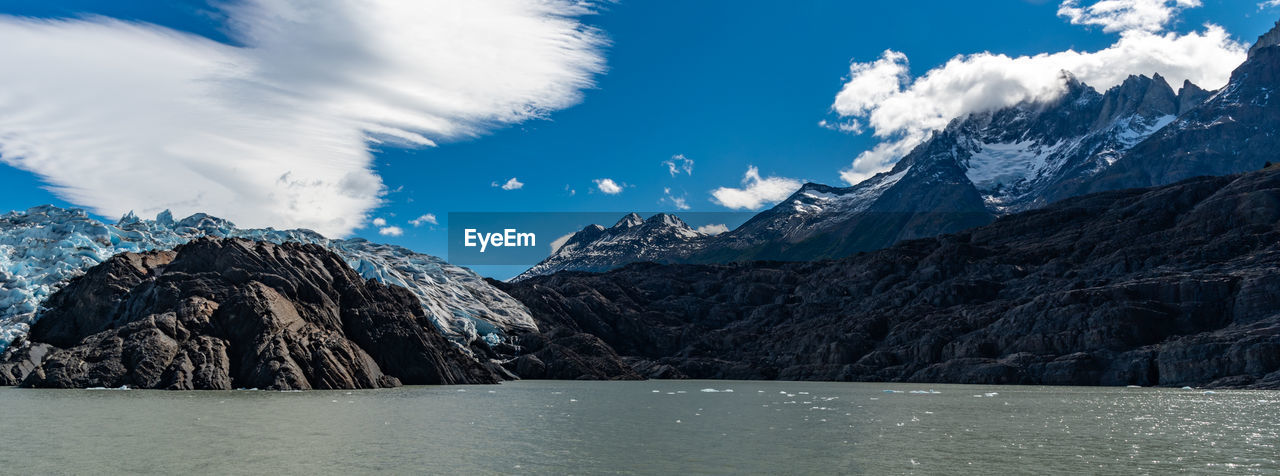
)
(122, 387)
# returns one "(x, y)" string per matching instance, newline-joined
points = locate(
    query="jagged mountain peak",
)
(632, 219)
(1141, 132)
(596, 248)
(1191, 95)
(668, 220)
(1270, 38)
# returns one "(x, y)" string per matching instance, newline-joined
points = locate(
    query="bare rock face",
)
(1174, 285)
(232, 313)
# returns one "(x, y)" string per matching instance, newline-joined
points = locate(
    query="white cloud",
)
(681, 202)
(558, 242)
(756, 192)
(379, 222)
(1269, 4)
(512, 184)
(713, 229)
(122, 116)
(426, 219)
(608, 186)
(1125, 15)
(391, 231)
(882, 96)
(679, 163)
(851, 126)
(571, 191)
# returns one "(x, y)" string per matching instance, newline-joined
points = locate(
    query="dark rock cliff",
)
(1175, 285)
(221, 314)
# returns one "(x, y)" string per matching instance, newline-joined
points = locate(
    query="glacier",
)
(44, 247)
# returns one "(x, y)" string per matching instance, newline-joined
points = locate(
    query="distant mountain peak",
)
(1141, 132)
(632, 219)
(666, 219)
(1270, 38)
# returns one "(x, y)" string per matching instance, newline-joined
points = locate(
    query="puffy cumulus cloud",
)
(512, 184)
(1124, 15)
(756, 192)
(713, 229)
(608, 186)
(426, 219)
(379, 222)
(903, 111)
(390, 231)
(275, 130)
(678, 164)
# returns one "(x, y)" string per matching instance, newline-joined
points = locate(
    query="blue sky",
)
(725, 84)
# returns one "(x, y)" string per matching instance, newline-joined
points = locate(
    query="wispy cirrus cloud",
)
(681, 202)
(678, 164)
(882, 96)
(276, 130)
(1125, 15)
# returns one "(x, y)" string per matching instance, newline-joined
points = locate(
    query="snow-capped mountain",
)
(1234, 130)
(1140, 133)
(632, 239)
(46, 246)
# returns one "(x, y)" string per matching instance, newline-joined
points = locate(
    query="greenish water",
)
(654, 427)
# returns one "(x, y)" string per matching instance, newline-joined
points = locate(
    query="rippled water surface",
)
(644, 428)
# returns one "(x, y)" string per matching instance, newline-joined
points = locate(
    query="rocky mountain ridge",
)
(1140, 133)
(596, 248)
(1173, 285)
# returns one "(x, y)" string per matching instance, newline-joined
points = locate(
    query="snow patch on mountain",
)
(632, 239)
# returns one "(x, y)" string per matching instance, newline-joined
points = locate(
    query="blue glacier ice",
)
(45, 246)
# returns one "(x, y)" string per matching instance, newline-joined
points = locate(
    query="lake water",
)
(653, 427)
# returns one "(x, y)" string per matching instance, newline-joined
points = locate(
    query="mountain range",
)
(1122, 237)
(1140, 133)
(1172, 286)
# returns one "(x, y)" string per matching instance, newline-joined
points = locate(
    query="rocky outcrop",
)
(233, 313)
(1175, 285)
